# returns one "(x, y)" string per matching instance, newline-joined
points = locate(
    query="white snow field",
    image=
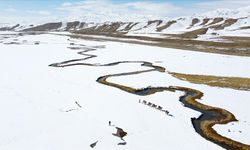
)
(38, 109)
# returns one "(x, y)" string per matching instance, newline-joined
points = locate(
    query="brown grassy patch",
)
(194, 33)
(216, 81)
(236, 47)
(245, 27)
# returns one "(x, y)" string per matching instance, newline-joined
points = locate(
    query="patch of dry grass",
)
(216, 81)
(194, 33)
(237, 47)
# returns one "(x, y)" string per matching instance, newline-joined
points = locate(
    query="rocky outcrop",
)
(46, 27)
(157, 22)
(102, 29)
(195, 21)
(204, 21)
(215, 20)
(72, 25)
(167, 25)
(227, 23)
(9, 28)
(130, 26)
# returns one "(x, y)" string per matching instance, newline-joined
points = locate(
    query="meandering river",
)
(203, 125)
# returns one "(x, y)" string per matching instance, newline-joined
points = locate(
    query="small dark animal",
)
(159, 107)
(78, 104)
(93, 144)
(122, 143)
(149, 104)
(120, 133)
(154, 105)
(167, 112)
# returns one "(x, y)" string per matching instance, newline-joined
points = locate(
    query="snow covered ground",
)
(38, 108)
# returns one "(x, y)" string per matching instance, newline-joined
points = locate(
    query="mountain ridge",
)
(220, 22)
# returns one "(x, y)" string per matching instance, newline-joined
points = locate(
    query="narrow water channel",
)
(203, 125)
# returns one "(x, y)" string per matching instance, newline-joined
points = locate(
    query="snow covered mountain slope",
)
(203, 26)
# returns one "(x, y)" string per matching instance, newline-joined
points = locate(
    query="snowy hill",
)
(222, 22)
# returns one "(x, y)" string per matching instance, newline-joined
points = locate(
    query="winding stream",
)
(203, 125)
